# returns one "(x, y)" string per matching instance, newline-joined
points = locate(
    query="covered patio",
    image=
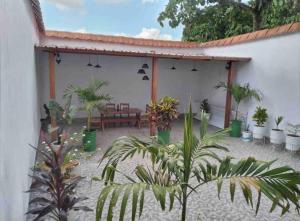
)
(180, 70)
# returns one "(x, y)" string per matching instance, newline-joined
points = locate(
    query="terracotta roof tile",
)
(257, 35)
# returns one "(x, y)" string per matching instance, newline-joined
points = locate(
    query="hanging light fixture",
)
(194, 68)
(97, 65)
(173, 67)
(145, 78)
(145, 65)
(141, 71)
(89, 64)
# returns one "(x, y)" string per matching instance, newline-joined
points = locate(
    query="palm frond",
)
(137, 192)
(280, 184)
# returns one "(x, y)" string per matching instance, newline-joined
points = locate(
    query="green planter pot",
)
(89, 140)
(163, 136)
(236, 128)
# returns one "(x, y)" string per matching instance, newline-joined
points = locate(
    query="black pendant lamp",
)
(194, 68)
(145, 78)
(145, 66)
(89, 64)
(173, 68)
(141, 71)
(97, 65)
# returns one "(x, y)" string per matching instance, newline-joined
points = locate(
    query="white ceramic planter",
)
(246, 134)
(259, 132)
(277, 136)
(292, 142)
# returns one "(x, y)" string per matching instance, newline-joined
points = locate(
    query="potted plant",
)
(293, 138)
(204, 107)
(247, 134)
(240, 93)
(164, 113)
(277, 135)
(91, 99)
(260, 117)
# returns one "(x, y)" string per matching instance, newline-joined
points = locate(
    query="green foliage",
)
(178, 169)
(54, 192)
(206, 20)
(164, 112)
(239, 93)
(260, 116)
(278, 120)
(282, 12)
(90, 97)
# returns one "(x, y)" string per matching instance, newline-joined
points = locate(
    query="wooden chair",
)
(110, 107)
(124, 107)
(145, 121)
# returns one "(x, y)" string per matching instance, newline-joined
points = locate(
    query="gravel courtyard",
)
(204, 205)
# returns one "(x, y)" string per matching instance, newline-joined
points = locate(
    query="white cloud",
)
(67, 4)
(81, 30)
(148, 1)
(121, 34)
(153, 33)
(114, 2)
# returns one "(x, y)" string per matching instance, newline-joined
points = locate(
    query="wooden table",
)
(115, 116)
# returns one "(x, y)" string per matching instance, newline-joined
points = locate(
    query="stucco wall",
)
(274, 70)
(125, 85)
(19, 115)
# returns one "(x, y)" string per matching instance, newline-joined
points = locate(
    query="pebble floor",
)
(202, 206)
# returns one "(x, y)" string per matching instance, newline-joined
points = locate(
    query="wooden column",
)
(153, 91)
(228, 105)
(51, 59)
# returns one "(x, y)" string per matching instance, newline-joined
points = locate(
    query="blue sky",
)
(136, 18)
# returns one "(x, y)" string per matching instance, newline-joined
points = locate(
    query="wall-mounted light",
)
(57, 57)
(228, 65)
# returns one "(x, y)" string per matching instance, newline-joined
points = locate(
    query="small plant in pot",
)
(292, 141)
(247, 134)
(260, 117)
(277, 135)
(204, 107)
(164, 113)
(62, 116)
(240, 93)
(91, 99)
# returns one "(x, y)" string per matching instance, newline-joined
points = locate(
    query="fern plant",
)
(174, 166)
(239, 93)
(260, 116)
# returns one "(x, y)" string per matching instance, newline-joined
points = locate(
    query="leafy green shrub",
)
(164, 112)
(260, 116)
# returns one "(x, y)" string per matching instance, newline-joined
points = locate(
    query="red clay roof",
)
(251, 36)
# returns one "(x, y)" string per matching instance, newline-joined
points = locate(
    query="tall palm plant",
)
(239, 93)
(174, 166)
(90, 97)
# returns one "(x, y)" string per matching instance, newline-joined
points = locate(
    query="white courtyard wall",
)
(19, 113)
